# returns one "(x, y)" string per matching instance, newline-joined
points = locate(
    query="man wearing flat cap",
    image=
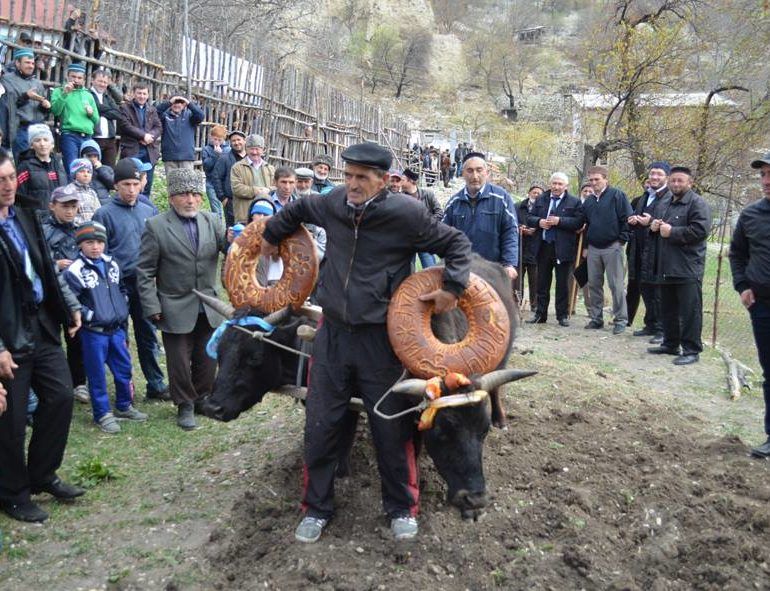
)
(750, 264)
(428, 199)
(23, 103)
(250, 177)
(221, 175)
(372, 237)
(486, 214)
(681, 225)
(179, 253)
(322, 166)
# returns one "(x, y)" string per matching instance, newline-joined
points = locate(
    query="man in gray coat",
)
(180, 251)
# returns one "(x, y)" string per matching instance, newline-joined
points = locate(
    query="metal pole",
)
(722, 232)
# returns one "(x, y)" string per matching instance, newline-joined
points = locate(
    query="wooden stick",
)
(737, 374)
(574, 287)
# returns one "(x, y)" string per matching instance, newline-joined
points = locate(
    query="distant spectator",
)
(322, 166)
(144, 168)
(81, 172)
(23, 104)
(396, 180)
(107, 97)
(210, 155)
(446, 165)
(103, 177)
(74, 32)
(528, 244)
(140, 129)
(251, 177)
(179, 118)
(222, 169)
(304, 181)
(40, 171)
(76, 108)
(428, 199)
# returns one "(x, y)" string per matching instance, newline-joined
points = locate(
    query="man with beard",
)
(681, 225)
(529, 257)
(322, 166)
(221, 173)
(304, 182)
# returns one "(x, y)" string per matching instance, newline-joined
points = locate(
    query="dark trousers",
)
(653, 315)
(146, 340)
(109, 148)
(360, 362)
(75, 359)
(760, 322)
(190, 370)
(682, 305)
(633, 297)
(45, 371)
(546, 265)
(529, 272)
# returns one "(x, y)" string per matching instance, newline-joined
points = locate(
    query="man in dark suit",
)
(557, 216)
(179, 253)
(140, 129)
(31, 356)
(528, 259)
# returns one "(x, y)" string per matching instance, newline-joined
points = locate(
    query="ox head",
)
(455, 442)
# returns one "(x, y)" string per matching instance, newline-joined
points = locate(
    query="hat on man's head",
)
(80, 164)
(90, 231)
(185, 180)
(127, 170)
(760, 162)
(368, 154)
(323, 159)
(25, 37)
(303, 173)
(65, 194)
(255, 140)
(660, 165)
(261, 207)
(411, 175)
(236, 132)
(470, 155)
(38, 130)
(396, 172)
(23, 52)
(77, 67)
(142, 166)
(682, 169)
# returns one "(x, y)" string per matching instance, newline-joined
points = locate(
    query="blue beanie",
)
(76, 67)
(23, 52)
(661, 165)
(262, 208)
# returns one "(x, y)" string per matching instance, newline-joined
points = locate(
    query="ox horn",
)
(278, 316)
(216, 304)
(310, 311)
(412, 387)
(495, 379)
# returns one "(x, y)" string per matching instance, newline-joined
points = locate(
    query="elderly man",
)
(34, 310)
(140, 129)
(606, 212)
(750, 264)
(23, 103)
(250, 177)
(180, 251)
(304, 181)
(681, 223)
(352, 352)
(322, 166)
(486, 214)
(557, 216)
(180, 118)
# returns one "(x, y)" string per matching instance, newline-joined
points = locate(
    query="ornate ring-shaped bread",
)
(422, 353)
(300, 270)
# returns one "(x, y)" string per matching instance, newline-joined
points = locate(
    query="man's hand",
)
(655, 225)
(63, 264)
(69, 87)
(443, 301)
(512, 272)
(544, 223)
(7, 365)
(665, 230)
(633, 220)
(76, 323)
(261, 192)
(644, 219)
(747, 298)
(553, 220)
(3, 402)
(218, 149)
(89, 110)
(268, 250)
(45, 104)
(156, 318)
(148, 139)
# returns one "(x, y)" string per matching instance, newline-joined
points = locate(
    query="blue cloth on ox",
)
(213, 344)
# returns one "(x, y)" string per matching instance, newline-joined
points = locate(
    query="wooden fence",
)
(299, 115)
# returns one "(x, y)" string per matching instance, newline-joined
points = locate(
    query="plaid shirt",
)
(89, 202)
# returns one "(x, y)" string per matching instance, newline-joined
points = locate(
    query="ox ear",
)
(278, 316)
(495, 379)
(411, 387)
(216, 304)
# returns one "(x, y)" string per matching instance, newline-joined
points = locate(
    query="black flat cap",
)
(683, 169)
(470, 155)
(368, 154)
(760, 162)
(411, 175)
(236, 132)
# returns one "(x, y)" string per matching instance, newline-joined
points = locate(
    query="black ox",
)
(250, 367)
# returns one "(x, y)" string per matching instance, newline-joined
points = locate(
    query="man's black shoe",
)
(643, 332)
(59, 489)
(28, 512)
(686, 359)
(536, 319)
(563, 322)
(158, 395)
(763, 451)
(594, 324)
(656, 340)
(661, 350)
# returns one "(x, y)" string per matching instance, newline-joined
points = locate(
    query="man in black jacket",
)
(221, 174)
(528, 242)
(372, 236)
(428, 199)
(606, 212)
(682, 223)
(31, 356)
(556, 216)
(750, 264)
(107, 97)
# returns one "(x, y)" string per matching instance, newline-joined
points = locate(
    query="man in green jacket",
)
(74, 106)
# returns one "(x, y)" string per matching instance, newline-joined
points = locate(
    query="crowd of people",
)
(83, 248)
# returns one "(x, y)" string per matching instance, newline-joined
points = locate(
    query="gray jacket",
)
(18, 109)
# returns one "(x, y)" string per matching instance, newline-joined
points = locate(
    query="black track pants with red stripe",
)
(350, 362)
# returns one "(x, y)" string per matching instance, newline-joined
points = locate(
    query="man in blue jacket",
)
(180, 118)
(486, 214)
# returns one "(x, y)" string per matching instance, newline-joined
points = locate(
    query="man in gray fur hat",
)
(180, 251)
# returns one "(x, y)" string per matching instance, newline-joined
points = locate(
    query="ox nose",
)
(211, 409)
(470, 503)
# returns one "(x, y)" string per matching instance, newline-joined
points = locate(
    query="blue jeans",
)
(146, 340)
(760, 322)
(214, 203)
(70, 148)
(426, 259)
(98, 349)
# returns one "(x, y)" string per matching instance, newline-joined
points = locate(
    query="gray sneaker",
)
(185, 416)
(108, 424)
(81, 394)
(404, 528)
(131, 414)
(309, 529)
